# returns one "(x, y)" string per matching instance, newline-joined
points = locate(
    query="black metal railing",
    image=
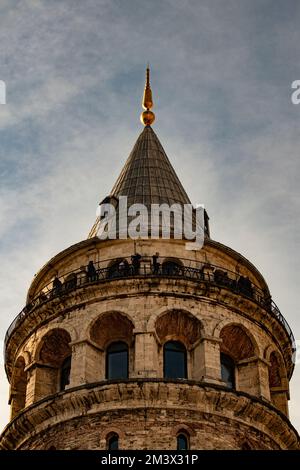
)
(125, 268)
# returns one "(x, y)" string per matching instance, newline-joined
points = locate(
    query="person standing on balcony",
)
(91, 272)
(155, 263)
(57, 286)
(136, 263)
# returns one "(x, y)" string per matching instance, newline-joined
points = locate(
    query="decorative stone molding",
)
(125, 397)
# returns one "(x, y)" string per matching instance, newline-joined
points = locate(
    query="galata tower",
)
(143, 344)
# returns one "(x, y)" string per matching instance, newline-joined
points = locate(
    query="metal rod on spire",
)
(148, 76)
(147, 116)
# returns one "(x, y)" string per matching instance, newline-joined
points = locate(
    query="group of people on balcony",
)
(122, 268)
(242, 284)
(70, 282)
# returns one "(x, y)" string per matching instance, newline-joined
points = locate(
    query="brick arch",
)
(277, 373)
(244, 330)
(269, 350)
(180, 325)
(162, 310)
(109, 327)
(183, 428)
(277, 363)
(109, 431)
(278, 382)
(237, 342)
(54, 326)
(54, 347)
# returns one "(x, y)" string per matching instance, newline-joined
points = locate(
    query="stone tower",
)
(172, 349)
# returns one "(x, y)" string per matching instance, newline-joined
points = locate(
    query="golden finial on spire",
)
(147, 117)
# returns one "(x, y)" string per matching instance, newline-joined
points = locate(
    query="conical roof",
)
(148, 176)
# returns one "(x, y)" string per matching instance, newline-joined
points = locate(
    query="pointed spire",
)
(147, 116)
(147, 177)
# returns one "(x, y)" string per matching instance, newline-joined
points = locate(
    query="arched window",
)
(54, 362)
(65, 373)
(175, 360)
(274, 371)
(117, 361)
(171, 268)
(113, 442)
(182, 442)
(228, 370)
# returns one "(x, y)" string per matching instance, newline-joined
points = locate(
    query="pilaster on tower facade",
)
(142, 344)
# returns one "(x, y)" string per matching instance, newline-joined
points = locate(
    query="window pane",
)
(117, 361)
(182, 442)
(228, 370)
(174, 360)
(65, 373)
(113, 442)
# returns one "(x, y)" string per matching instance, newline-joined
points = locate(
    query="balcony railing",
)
(127, 268)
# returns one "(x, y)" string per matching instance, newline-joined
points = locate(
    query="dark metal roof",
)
(147, 177)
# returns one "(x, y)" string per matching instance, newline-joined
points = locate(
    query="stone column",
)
(263, 375)
(14, 402)
(88, 363)
(30, 385)
(280, 396)
(248, 377)
(206, 360)
(42, 382)
(146, 355)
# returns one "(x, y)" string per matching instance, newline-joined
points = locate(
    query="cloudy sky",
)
(221, 78)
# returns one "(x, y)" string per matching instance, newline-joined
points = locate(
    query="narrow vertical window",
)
(175, 364)
(117, 361)
(65, 373)
(113, 442)
(182, 442)
(228, 370)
